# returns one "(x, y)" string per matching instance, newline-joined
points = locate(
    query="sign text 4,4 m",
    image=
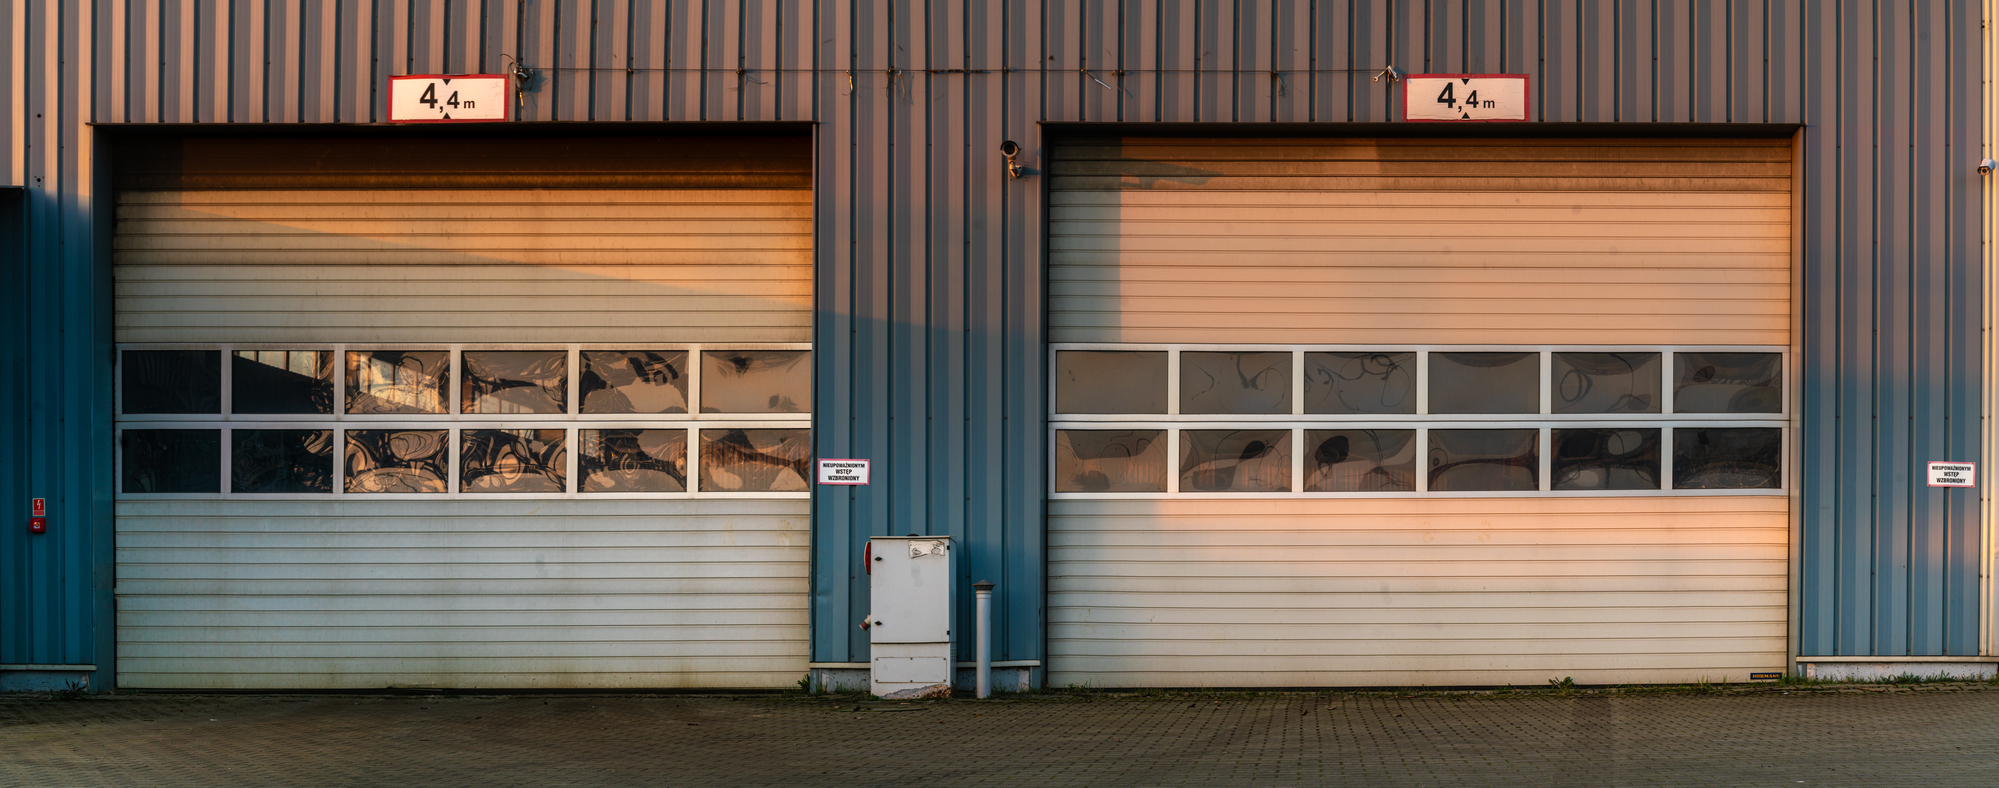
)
(1464, 98)
(436, 98)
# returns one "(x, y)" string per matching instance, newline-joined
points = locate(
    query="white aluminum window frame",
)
(1422, 421)
(453, 421)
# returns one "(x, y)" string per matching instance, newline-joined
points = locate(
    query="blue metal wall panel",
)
(18, 582)
(930, 291)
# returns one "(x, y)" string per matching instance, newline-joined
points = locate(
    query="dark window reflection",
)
(1613, 458)
(1727, 458)
(755, 460)
(756, 381)
(1728, 383)
(281, 381)
(398, 381)
(1606, 382)
(1484, 460)
(1235, 382)
(634, 381)
(514, 381)
(632, 460)
(1110, 460)
(281, 461)
(1360, 382)
(1110, 381)
(172, 461)
(172, 381)
(1235, 460)
(396, 461)
(1360, 460)
(1485, 382)
(512, 461)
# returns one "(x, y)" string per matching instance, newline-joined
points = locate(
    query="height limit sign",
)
(1464, 98)
(441, 98)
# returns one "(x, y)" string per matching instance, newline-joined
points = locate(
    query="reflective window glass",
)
(634, 381)
(1485, 382)
(171, 381)
(172, 461)
(1110, 460)
(1612, 458)
(1249, 461)
(1728, 383)
(1606, 382)
(1360, 382)
(1360, 460)
(514, 381)
(1727, 458)
(756, 381)
(1484, 460)
(1235, 382)
(281, 381)
(281, 461)
(1110, 381)
(512, 461)
(755, 460)
(396, 461)
(631, 460)
(398, 381)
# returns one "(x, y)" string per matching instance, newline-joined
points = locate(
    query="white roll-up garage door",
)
(1282, 448)
(463, 412)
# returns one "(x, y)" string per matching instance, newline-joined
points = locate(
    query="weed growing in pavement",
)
(805, 685)
(1564, 686)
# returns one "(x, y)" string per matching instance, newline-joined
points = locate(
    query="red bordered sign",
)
(450, 98)
(1464, 98)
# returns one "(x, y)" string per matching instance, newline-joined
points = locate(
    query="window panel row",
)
(1361, 383)
(504, 460)
(490, 382)
(1260, 460)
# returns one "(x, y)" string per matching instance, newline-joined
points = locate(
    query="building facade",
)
(1230, 377)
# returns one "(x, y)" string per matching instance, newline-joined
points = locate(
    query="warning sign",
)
(1953, 474)
(849, 472)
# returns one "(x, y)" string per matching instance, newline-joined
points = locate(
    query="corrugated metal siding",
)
(364, 595)
(1438, 592)
(1863, 78)
(1420, 241)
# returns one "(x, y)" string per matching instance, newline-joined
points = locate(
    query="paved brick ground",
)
(1930, 737)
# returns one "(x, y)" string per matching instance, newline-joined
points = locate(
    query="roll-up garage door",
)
(1418, 412)
(462, 412)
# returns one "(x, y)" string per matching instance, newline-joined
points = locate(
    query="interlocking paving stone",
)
(1932, 736)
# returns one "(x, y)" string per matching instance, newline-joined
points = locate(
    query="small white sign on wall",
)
(442, 98)
(1464, 98)
(849, 472)
(1953, 474)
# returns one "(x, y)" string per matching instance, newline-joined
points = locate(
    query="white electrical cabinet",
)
(912, 582)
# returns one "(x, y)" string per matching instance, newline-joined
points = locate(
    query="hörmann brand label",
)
(1464, 98)
(850, 472)
(1953, 474)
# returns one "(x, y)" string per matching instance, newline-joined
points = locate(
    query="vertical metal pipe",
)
(985, 591)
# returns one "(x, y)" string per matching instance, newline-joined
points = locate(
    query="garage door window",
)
(464, 421)
(1136, 420)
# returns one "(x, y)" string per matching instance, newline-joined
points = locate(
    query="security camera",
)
(1010, 149)
(1985, 167)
